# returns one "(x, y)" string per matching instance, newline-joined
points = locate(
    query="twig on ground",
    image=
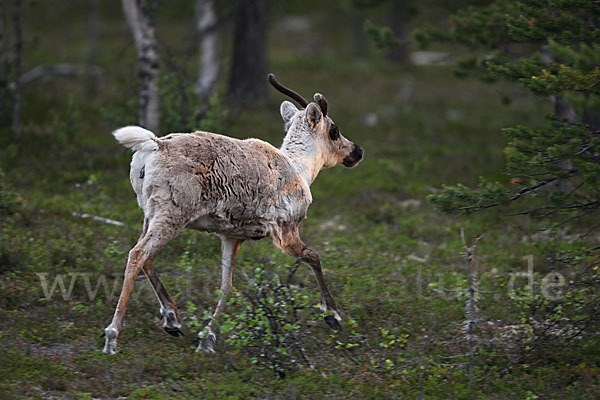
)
(96, 218)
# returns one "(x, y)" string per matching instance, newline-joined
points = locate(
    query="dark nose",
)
(354, 157)
(357, 152)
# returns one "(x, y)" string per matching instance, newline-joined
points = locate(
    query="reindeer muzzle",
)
(354, 157)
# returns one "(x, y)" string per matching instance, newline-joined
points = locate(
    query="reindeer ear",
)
(287, 111)
(313, 115)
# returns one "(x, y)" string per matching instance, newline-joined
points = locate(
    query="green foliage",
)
(548, 78)
(184, 111)
(68, 125)
(556, 166)
(467, 200)
(9, 201)
(564, 153)
(215, 115)
(179, 108)
(560, 307)
(536, 158)
(121, 114)
(568, 28)
(382, 36)
(273, 323)
(570, 21)
(474, 27)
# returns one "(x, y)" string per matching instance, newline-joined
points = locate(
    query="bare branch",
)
(96, 218)
(46, 72)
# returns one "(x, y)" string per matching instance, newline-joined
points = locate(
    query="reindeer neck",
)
(304, 155)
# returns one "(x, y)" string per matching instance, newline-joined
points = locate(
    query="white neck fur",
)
(302, 150)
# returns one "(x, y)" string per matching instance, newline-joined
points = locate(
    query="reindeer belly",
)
(256, 218)
(216, 224)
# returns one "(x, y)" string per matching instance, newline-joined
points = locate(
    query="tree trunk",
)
(248, 80)
(140, 18)
(92, 53)
(16, 121)
(562, 109)
(399, 16)
(591, 116)
(5, 95)
(206, 21)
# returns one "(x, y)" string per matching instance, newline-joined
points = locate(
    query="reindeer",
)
(238, 189)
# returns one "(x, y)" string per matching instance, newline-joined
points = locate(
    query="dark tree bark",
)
(591, 117)
(248, 81)
(93, 32)
(5, 94)
(16, 121)
(562, 110)
(91, 59)
(399, 16)
(140, 18)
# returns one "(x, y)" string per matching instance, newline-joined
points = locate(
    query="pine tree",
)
(551, 48)
(564, 63)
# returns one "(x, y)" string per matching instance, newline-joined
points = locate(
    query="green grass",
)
(386, 252)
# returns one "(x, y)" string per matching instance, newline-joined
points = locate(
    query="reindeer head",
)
(313, 133)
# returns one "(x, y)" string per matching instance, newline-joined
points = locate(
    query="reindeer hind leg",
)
(168, 309)
(160, 231)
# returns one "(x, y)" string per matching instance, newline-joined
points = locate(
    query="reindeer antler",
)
(288, 92)
(322, 102)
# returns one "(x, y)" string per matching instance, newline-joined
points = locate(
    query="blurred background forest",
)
(438, 301)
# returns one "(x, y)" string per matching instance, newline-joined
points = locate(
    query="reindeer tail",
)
(136, 138)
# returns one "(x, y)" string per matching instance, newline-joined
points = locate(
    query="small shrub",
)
(9, 201)
(183, 111)
(273, 323)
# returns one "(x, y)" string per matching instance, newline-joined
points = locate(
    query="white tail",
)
(136, 138)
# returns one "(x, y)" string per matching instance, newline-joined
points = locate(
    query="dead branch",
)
(96, 218)
(51, 71)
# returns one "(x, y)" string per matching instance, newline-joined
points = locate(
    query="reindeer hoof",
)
(171, 323)
(174, 331)
(332, 322)
(207, 346)
(208, 341)
(110, 346)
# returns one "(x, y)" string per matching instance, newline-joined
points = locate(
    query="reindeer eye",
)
(334, 132)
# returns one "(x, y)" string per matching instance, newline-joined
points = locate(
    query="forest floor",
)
(387, 254)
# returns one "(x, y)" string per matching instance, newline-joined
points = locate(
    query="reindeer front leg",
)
(327, 303)
(229, 251)
(294, 246)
